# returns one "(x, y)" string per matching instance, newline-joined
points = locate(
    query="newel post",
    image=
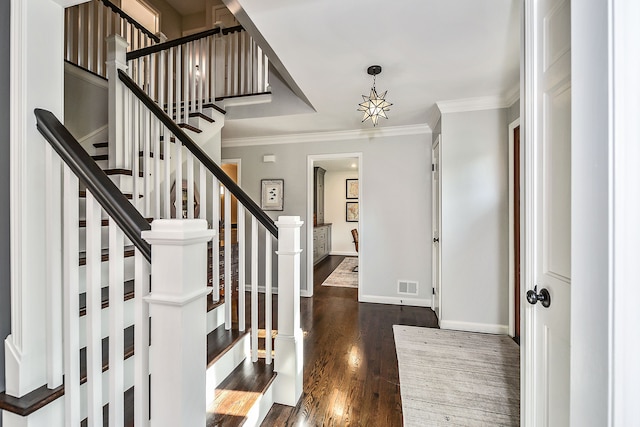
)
(177, 306)
(116, 60)
(288, 342)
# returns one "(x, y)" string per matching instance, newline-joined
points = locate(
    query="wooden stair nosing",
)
(129, 251)
(104, 222)
(120, 171)
(83, 194)
(240, 390)
(201, 116)
(100, 157)
(101, 144)
(189, 127)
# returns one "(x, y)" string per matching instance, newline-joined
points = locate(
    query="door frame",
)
(311, 159)
(437, 263)
(514, 124)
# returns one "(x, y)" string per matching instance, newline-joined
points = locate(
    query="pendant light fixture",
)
(374, 105)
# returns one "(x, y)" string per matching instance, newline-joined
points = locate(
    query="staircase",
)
(143, 324)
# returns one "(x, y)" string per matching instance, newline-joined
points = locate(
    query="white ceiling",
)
(343, 164)
(430, 50)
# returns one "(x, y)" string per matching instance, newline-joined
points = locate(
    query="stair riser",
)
(260, 409)
(129, 369)
(221, 369)
(104, 238)
(129, 318)
(129, 272)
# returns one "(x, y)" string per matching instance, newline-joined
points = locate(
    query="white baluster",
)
(268, 310)
(242, 74)
(193, 48)
(178, 81)
(141, 341)
(82, 35)
(167, 173)
(241, 267)
(100, 43)
(203, 191)
(94, 310)
(116, 324)
(69, 26)
(157, 175)
(55, 364)
(259, 69)
(254, 289)
(70, 279)
(171, 57)
(228, 288)
(215, 224)
(146, 135)
(178, 202)
(200, 77)
(265, 71)
(235, 62)
(190, 190)
(91, 38)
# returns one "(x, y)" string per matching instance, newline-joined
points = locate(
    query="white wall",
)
(474, 239)
(395, 226)
(335, 211)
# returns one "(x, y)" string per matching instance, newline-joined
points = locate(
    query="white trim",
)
(343, 253)
(512, 95)
(473, 104)
(237, 101)
(624, 69)
(238, 163)
(176, 300)
(311, 158)
(86, 76)
(343, 135)
(414, 302)
(511, 281)
(485, 328)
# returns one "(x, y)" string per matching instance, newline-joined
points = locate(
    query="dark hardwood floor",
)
(350, 364)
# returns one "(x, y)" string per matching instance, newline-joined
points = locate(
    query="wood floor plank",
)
(351, 371)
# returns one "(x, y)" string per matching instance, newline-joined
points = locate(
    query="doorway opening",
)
(334, 215)
(515, 224)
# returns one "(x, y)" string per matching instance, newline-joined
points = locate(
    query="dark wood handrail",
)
(238, 192)
(97, 182)
(177, 42)
(126, 17)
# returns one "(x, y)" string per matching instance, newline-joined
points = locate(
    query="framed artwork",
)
(353, 213)
(353, 190)
(272, 194)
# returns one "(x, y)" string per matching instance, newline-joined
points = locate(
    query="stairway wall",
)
(5, 274)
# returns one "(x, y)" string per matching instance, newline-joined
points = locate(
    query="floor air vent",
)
(407, 287)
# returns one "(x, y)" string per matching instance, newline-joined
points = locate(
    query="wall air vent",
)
(407, 287)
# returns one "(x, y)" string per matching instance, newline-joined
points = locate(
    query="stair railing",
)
(188, 74)
(73, 180)
(87, 25)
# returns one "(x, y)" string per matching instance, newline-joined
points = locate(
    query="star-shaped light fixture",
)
(374, 105)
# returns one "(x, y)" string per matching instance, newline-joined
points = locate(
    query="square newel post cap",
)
(289, 222)
(117, 50)
(178, 232)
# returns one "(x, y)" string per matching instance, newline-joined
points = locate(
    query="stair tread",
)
(237, 394)
(188, 126)
(129, 287)
(104, 222)
(101, 144)
(100, 157)
(129, 251)
(202, 116)
(120, 171)
(220, 340)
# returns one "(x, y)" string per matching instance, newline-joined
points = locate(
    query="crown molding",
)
(345, 135)
(512, 95)
(493, 102)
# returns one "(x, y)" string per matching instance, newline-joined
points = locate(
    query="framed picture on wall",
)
(272, 194)
(353, 190)
(353, 212)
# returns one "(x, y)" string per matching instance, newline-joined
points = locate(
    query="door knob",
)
(544, 296)
(436, 239)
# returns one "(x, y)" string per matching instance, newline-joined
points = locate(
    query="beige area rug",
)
(453, 378)
(344, 276)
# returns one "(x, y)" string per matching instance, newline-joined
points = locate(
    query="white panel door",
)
(435, 218)
(548, 123)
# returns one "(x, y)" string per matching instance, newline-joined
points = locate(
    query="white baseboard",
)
(415, 302)
(305, 293)
(343, 253)
(486, 328)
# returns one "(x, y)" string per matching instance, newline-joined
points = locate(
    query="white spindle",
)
(53, 235)
(71, 276)
(250, 65)
(211, 75)
(178, 182)
(93, 258)
(215, 224)
(146, 138)
(178, 82)
(167, 173)
(100, 43)
(193, 47)
(242, 71)
(203, 191)
(91, 38)
(81, 34)
(141, 341)
(268, 310)
(68, 29)
(265, 72)
(241, 268)
(259, 68)
(157, 175)
(254, 289)
(228, 288)
(171, 57)
(116, 324)
(200, 77)
(190, 184)
(235, 63)
(135, 147)
(186, 78)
